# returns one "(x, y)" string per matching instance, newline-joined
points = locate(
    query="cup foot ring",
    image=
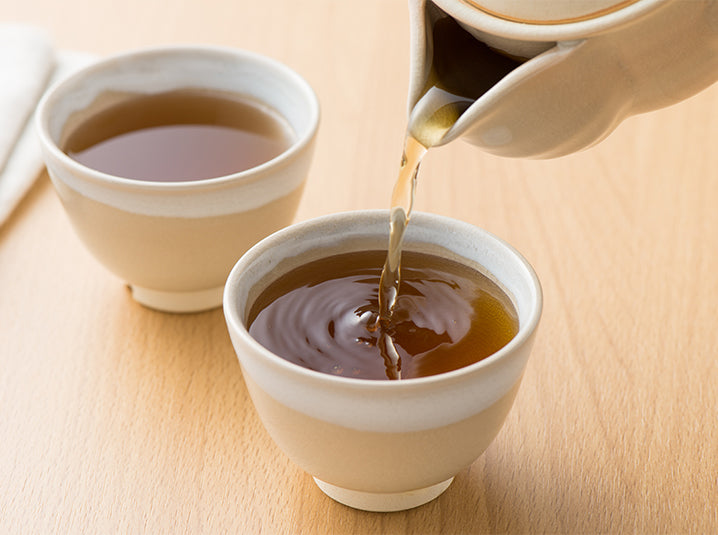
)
(178, 301)
(380, 501)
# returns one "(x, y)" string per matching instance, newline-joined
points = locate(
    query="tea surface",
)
(322, 316)
(179, 136)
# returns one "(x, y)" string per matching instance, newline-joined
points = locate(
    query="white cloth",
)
(28, 65)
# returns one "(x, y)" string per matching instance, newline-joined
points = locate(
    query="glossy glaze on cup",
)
(343, 431)
(175, 243)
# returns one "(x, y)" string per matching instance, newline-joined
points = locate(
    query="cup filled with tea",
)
(171, 162)
(382, 412)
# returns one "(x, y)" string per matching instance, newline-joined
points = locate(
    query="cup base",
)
(178, 301)
(383, 502)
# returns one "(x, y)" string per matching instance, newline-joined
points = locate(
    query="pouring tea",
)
(536, 80)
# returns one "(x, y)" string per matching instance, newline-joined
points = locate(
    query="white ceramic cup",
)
(175, 242)
(372, 444)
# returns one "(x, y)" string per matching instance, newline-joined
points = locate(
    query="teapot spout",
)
(564, 95)
(423, 14)
(451, 69)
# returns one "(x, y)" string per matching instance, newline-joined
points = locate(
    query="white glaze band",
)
(167, 68)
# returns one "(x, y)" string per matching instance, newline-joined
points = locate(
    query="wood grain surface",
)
(118, 419)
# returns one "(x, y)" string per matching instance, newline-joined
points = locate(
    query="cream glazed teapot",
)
(583, 67)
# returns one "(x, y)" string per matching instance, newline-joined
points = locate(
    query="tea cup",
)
(381, 445)
(175, 242)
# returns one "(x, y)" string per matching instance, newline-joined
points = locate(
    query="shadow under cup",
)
(174, 243)
(372, 444)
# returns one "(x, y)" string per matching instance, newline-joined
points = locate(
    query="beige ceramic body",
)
(381, 445)
(175, 242)
(583, 77)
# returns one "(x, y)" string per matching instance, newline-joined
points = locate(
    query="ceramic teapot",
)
(585, 65)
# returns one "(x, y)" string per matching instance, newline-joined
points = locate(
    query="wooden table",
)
(118, 419)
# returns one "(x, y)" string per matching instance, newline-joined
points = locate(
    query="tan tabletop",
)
(118, 419)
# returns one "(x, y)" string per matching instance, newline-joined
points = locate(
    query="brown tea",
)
(177, 136)
(322, 316)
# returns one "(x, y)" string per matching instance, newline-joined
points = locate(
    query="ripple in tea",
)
(322, 316)
(180, 135)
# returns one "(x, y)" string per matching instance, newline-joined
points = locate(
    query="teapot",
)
(582, 66)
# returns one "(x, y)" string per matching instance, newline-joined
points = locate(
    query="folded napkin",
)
(28, 65)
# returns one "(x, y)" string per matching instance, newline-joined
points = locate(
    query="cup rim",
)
(303, 139)
(288, 234)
